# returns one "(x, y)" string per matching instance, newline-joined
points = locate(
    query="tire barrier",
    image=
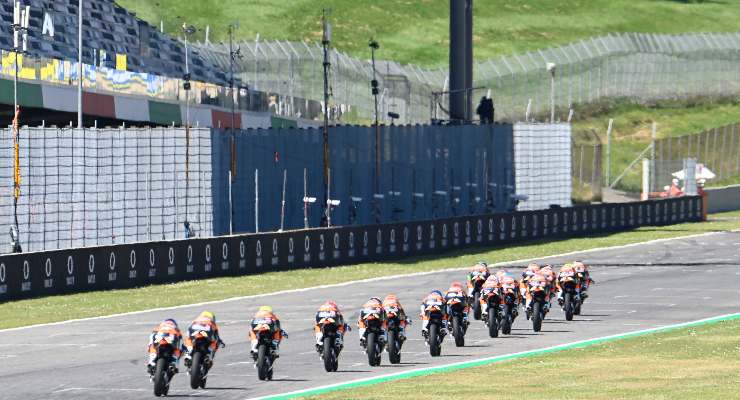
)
(139, 264)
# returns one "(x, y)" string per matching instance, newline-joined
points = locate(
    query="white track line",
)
(368, 280)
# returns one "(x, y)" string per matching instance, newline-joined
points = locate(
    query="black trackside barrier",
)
(139, 264)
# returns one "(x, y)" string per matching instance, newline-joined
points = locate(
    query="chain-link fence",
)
(718, 149)
(642, 67)
(587, 167)
(102, 186)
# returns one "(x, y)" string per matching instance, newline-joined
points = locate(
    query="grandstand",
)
(110, 35)
(132, 74)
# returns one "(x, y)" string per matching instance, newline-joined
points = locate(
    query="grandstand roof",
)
(107, 29)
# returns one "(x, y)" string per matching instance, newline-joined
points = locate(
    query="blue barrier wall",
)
(426, 172)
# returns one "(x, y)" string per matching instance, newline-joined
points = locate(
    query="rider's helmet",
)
(171, 322)
(580, 267)
(208, 315)
(455, 287)
(436, 293)
(265, 309)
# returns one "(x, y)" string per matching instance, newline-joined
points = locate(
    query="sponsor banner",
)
(133, 265)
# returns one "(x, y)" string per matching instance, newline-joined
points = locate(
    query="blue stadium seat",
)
(108, 27)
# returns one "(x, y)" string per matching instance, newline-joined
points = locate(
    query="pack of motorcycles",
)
(497, 309)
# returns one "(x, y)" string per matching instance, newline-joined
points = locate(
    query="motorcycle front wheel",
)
(196, 369)
(160, 378)
(264, 367)
(537, 316)
(394, 347)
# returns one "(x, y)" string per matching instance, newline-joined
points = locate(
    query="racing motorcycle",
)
(373, 335)
(200, 361)
(330, 347)
(490, 299)
(510, 293)
(570, 301)
(478, 279)
(539, 291)
(265, 357)
(435, 332)
(394, 334)
(456, 312)
(164, 369)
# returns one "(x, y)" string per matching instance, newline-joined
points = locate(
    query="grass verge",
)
(700, 362)
(92, 304)
(418, 31)
(632, 128)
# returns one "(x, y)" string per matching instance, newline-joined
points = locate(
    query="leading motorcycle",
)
(435, 333)
(164, 369)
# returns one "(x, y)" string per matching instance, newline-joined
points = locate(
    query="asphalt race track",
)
(638, 287)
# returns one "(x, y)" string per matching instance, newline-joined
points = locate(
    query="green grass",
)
(700, 362)
(633, 126)
(417, 31)
(60, 308)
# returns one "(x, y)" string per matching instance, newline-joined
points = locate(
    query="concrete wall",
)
(723, 199)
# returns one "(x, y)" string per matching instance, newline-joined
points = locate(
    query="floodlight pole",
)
(376, 176)
(187, 31)
(326, 41)
(79, 64)
(232, 55)
(20, 27)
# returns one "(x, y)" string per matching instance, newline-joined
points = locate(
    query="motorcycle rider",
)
(433, 297)
(330, 309)
(540, 278)
(265, 315)
(391, 302)
(373, 305)
(206, 321)
(456, 291)
(552, 289)
(490, 285)
(565, 272)
(477, 271)
(584, 277)
(166, 329)
(531, 270)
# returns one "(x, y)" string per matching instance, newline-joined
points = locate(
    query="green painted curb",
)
(495, 359)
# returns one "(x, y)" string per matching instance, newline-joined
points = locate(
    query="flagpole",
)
(79, 65)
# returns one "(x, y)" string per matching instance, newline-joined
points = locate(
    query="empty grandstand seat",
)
(108, 27)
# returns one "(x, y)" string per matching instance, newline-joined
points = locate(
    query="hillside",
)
(416, 31)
